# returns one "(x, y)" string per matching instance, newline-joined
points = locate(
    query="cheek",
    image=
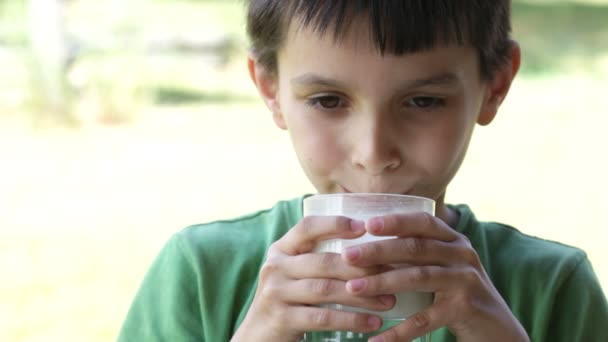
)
(319, 158)
(317, 147)
(316, 144)
(441, 151)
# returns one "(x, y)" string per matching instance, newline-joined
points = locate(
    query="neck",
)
(447, 215)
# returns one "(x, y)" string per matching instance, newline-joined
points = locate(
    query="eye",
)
(326, 102)
(425, 102)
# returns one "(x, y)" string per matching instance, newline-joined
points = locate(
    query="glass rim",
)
(370, 194)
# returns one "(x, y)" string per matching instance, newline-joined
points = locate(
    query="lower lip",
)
(345, 190)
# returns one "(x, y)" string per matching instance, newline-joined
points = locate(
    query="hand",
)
(442, 261)
(293, 280)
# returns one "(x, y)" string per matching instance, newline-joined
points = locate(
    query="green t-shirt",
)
(201, 285)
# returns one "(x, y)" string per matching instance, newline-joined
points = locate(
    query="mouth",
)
(344, 189)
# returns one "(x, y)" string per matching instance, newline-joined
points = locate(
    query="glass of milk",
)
(362, 206)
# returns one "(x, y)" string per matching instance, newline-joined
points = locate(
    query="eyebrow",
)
(441, 79)
(309, 79)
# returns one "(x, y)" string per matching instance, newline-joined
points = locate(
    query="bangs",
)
(396, 27)
(399, 27)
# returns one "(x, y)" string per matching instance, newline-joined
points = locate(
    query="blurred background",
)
(123, 121)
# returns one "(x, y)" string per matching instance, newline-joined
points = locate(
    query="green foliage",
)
(172, 95)
(13, 23)
(560, 36)
(556, 37)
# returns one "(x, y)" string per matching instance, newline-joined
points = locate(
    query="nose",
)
(376, 146)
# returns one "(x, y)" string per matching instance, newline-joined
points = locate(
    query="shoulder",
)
(550, 286)
(257, 229)
(504, 248)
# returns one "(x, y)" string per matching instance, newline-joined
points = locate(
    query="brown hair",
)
(396, 26)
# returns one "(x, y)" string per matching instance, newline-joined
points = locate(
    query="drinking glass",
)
(362, 206)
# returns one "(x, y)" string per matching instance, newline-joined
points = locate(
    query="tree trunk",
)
(49, 49)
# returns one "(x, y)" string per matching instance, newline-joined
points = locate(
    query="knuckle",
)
(269, 268)
(278, 314)
(466, 240)
(274, 249)
(392, 335)
(342, 223)
(304, 246)
(421, 274)
(466, 304)
(359, 272)
(322, 287)
(276, 317)
(302, 236)
(306, 225)
(427, 219)
(463, 305)
(269, 292)
(356, 321)
(472, 258)
(371, 249)
(421, 320)
(391, 220)
(471, 277)
(414, 246)
(276, 320)
(374, 284)
(326, 261)
(321, 318)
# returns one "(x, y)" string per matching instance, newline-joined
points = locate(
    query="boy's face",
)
(363, 122)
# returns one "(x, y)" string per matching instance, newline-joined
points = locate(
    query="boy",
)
(377, 96)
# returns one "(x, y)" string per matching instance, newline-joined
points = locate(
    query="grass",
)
(84, 211)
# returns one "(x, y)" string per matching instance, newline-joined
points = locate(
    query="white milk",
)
(408, 303)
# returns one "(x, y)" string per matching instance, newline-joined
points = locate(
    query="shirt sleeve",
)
(580, 310)
(166, 307)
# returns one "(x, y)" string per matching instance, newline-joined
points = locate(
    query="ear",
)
(498, 87)
(267, 84)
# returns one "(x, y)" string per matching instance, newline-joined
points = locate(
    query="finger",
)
(412, 251)
(326, 265)
(419, 224)
(330, 291)
(416, 325)
(305, 235)
(408, 278)
(321, 319)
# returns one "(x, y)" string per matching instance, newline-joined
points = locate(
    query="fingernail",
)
(375, 225)
(376, 339)
(357, 226)
(353, 253)
(387, 300)
(355, 285)
(374, 322)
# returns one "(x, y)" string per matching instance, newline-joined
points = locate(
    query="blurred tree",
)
(49, 48)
